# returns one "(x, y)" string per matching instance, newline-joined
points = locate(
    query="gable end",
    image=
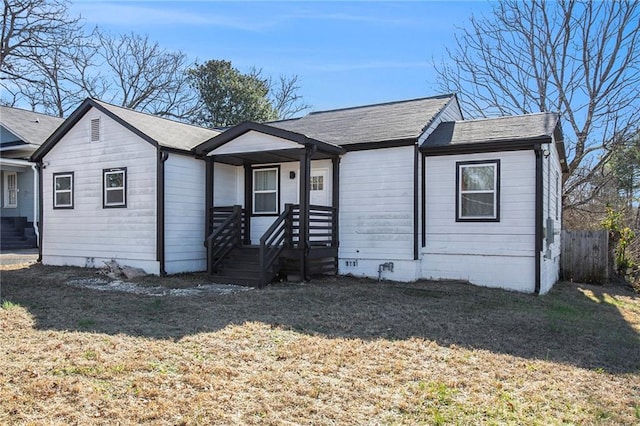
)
(74, 118)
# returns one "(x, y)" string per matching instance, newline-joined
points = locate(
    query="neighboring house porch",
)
(21, 133)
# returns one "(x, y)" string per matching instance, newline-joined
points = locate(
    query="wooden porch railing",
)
(274, 240)
(323, 229)
(225, 234)
(226, 225)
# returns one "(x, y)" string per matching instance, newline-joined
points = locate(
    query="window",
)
(115, 188)
(10, 190)
(478, 191)
(95, 130)
(63, 190)
(265, 191)
(317, 183)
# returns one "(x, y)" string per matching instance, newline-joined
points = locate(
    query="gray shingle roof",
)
(370, 123)
(31, 127)
(521, 127)
(167, 133)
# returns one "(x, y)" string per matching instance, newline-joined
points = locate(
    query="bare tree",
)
(134, 72)
(285, 96)
(29, 26)
(579, 58)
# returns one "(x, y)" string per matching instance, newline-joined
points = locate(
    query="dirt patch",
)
(332, 351)
(106, 284)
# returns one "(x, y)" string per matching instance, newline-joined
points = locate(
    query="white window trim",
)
(57, 191)
(7, 197)
(267, 191)
(495, 164)
(122, 188)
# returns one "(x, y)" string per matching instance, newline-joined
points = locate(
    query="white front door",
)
(10, 189)
(319, 193)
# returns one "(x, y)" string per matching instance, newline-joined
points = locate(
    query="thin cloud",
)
(366, 66)
(128, 15)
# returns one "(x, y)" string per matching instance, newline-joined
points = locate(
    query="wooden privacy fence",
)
(585, 256)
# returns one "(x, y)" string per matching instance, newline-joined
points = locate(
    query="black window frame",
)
(124, 188)
(459, 165)
(71, 191)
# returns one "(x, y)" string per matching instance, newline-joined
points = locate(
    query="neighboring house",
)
(402, 190)
(21, 133)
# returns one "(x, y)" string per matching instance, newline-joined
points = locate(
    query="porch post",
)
(335, 199)
(248, 202)
(305, 173)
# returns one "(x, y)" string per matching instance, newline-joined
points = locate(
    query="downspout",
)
(416, 163)
(538, 216)
(424, 200)
(40, 167)
(36, 204)
(162, 158)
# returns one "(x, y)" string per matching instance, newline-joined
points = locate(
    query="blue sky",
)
(345, 54)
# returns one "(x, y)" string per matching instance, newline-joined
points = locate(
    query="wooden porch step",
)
(12, 234)
(241, 267)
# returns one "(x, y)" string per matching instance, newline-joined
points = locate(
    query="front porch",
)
(281, 250)
(283, 220)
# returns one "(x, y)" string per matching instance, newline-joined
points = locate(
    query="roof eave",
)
(217, 141)
(485, 146)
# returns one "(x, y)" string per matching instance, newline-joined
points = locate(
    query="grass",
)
(335, 351)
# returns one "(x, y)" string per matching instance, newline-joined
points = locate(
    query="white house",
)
(401, 191)
(122, 185)
(21, 133)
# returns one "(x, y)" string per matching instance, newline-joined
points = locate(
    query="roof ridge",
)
(444, 96)
(502, 117)
(103, 103)
(32, 112)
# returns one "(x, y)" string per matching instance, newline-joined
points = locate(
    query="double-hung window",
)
(63, 190)
(265, 191)
(478, 191)
(115, 188)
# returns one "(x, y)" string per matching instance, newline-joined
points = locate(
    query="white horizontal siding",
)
(552, 209)
(227, 183)
(498, 254)
(376, 206)
(88, 232)
(184, 214)
(254, 142)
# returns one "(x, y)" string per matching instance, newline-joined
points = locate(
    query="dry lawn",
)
(336, 351)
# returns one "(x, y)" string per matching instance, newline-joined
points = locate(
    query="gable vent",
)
(95, 130)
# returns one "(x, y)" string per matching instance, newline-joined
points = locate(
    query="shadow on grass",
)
(575, 324)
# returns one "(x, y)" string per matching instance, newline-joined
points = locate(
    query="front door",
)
(10, 189)
(319, 195)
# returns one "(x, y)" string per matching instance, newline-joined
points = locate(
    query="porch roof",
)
(284, 153)
(30, 129)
